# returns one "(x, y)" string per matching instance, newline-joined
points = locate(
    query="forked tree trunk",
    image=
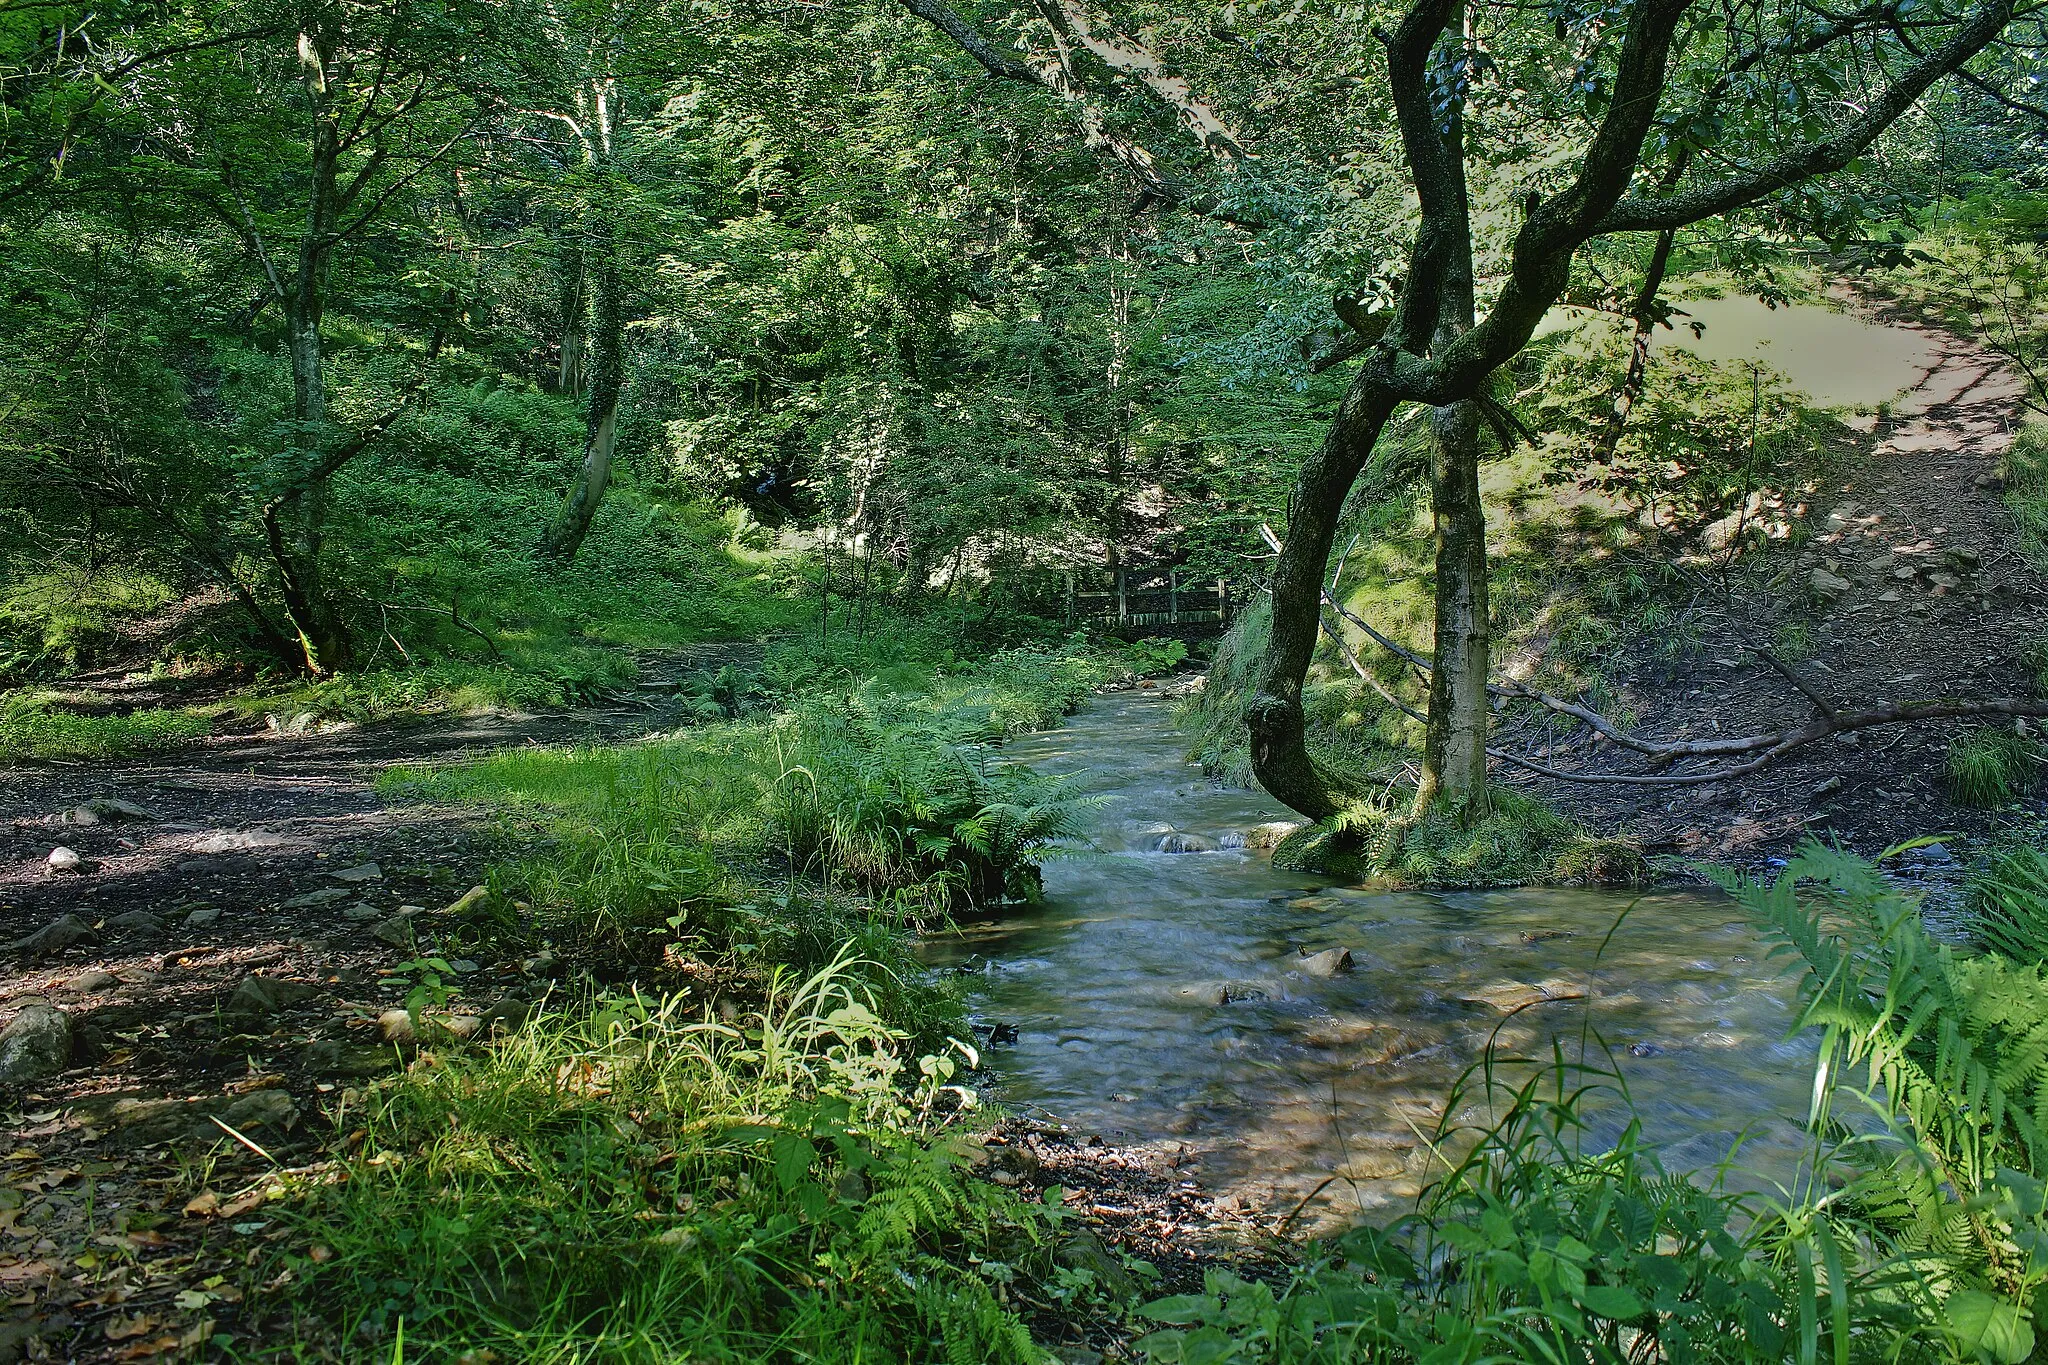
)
(1454, 753)
(607, 379)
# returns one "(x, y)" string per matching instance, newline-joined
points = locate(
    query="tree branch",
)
(1636, 214)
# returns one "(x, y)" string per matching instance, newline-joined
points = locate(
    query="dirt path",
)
(220, 964)
(1921, 593)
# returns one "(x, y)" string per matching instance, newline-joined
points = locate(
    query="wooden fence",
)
(1154, 601)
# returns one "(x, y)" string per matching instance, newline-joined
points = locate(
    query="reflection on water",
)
(1162, 998)
(1836, 359)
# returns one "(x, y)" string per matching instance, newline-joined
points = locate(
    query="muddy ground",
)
(1911, 588)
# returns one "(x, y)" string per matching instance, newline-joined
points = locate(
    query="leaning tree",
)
(1525, 134)
(1690, 112)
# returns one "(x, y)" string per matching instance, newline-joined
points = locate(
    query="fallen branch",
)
(1779, 743)
(1829, 721)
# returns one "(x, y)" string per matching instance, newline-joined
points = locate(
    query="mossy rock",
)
(1324, 852)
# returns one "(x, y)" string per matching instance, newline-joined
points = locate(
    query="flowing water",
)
(1161, 1000)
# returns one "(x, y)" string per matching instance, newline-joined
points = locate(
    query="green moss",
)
(1518, 841)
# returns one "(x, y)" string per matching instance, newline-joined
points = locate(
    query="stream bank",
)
(1272, 1039)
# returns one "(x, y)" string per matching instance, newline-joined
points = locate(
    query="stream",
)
(1161, 999)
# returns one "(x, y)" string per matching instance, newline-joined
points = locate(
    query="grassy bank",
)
(738, 1128)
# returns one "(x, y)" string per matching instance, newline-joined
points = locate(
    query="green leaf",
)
(1994, 1328)
(1181, 1308)
(1612, 1301)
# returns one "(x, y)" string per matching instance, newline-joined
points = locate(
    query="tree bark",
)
(607, 382)
(1279, 732)
(295, 528)
(1454, 752)
(575, 283)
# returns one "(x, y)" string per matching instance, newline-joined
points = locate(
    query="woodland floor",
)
(1919, 506)
(273, 857)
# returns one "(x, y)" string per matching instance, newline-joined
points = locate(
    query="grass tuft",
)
(645, 1182)
(1990, 768)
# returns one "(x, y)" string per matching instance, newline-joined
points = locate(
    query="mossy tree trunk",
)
(606, 373)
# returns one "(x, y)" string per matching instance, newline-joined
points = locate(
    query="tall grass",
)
(646, 1184)
(34, 725)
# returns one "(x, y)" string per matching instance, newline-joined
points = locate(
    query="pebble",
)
(64, 859)
(199, 919)
(88, 983)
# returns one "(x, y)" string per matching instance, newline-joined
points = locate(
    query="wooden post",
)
(1070, 601)
(1123, 606)
(1173, 597)
(1223, 601)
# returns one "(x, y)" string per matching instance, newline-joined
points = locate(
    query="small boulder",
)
(55, 937)
(35, 1046)
(91, 983)
(396, 1026)
(202, 917)
(63, 860)
(103, 810)
(1270, 834)
(239, 841)
(1825, 586)
(136, 922)
(470, 900)
(268, 995)
(364, 872)
(272, 1109)
(1329, 962)
(1506, 996)
(1177, 842)
(1236, 991)
(326, 895)
(361, 913)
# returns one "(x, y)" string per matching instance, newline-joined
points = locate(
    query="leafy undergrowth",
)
(767, 1162)
(1992, 767)
(1517, 841)
(648, 1183)
(37, 725)
(767, 842)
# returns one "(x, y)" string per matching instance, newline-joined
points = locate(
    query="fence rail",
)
(1154, 599)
